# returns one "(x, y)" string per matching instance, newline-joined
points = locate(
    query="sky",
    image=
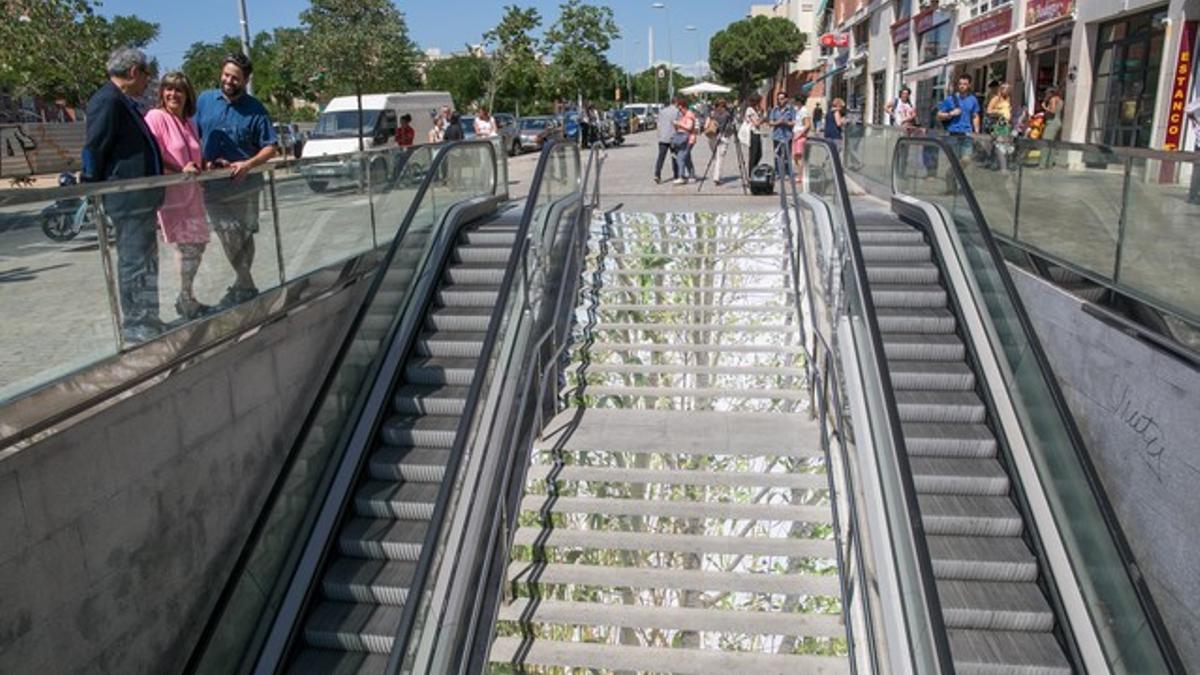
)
(444, 25)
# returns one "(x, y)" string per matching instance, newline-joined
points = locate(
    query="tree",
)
(357, 46)
(579, 39)
(465, 77)
(514, 57)
(754, 49)
(643, 88)
(202, 61)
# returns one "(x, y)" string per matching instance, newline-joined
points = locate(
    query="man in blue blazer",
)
(117, 146)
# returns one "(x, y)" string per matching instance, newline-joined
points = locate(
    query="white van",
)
(337, 133)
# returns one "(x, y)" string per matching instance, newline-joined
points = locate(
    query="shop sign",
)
(1176, 117)
(901, 30)
(1041, 11)
(930, 19)
(983, 28)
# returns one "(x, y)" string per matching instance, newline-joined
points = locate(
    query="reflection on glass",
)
(1161, 252)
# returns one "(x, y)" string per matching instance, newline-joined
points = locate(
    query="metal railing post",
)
(275, 226)
(1123, 220)
(106, 263)
(369, 170)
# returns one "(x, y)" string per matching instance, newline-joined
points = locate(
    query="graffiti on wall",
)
(16, 151)
(1140, 417)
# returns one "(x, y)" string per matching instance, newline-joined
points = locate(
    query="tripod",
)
(737, 146)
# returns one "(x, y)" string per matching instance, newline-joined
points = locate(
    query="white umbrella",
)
(705, 88)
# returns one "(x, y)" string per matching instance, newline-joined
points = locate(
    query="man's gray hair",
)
(123, 59)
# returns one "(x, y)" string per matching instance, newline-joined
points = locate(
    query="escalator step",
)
(406, 501)
(432, 430)
(450, 344)
(353, 627)
(426, 465)
(330, 662)
(381, 582)
(382, 538)
(982, 558)
(461, 319)
(896, 253)
(423, 399)
(952, 476)
(994, 605)
(955, 407)
(921, 347)
(949, 440)
(457, 372)
(926, 296)
(931, 376)
(916, 273)
(483, 254)
(877, 237)
(489, 237)
(475, 274)
(972, 516)
(915, 320)
(1006, 653)
(464, 295)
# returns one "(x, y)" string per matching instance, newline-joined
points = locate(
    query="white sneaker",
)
(680, 181)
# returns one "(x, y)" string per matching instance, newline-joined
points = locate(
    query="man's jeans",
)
(663, 149)
(135, 220)
(683, 161)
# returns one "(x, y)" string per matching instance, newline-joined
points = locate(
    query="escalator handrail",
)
(854, 257)
(287, 465)
(404, 631)
(1112, 524)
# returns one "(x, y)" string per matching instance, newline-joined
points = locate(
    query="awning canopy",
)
(705, 88)
(972, 53)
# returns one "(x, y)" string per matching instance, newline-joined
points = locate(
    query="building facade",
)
(1123, 67)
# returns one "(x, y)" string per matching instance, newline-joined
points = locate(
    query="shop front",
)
(1128, 62)
(934, 31)
(1048, 26)
(990, 69)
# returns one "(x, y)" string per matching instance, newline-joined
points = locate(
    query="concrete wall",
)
(1136, 408)
(119, 532)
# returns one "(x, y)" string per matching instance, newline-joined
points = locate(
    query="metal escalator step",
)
(954, 407)
(352, 627)
(1006, 653)
(915, 273)
(931, 376)
(896, 253)
(464, 295)
(678, 509)
(418, 464)
(944, 475)
(475, 274)
(382, 538)
(928, 296)
(949, 440)
(995, 605)
(461, 319)
(590, 657)
(331, 662)
(982, 558)
(605, 540)
(457, 372)
(489, 237)
(923, 347)
(382, 582)
(472, 253)
(672, 618)
(451, 344)
(650, 578)
(878, 236)
(915, 320)
(388, 499)
(969, 515)
(432, 430)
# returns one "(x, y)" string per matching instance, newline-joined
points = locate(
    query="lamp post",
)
(245, 38)
(699, 53)
(670, 56)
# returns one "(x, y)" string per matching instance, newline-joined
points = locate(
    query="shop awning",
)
(808, 86)
(963, 55)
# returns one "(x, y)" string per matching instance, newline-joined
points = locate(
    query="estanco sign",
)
(1041, 11)
(990, 26)
(1176, 117)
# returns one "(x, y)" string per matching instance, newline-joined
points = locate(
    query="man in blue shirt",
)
(782, 119)
(235, 133)
(960, 112)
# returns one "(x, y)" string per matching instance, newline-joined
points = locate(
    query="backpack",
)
(710, 126)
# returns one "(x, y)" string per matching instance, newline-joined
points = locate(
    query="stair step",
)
(715, 309)
(994, 605)
(338, 662)
(626, 658)
(456, 372)
(489, 237)
(672, 618)
(387, 499)
(914, 273)
(969, 515)
(684, 348)
(695, 256)
(949, 440)
(915, 320)
(352, 627)
(877, 237)
(381, 582)
(429, 430)
(982, 558)
(418, 464)
(924, 296)
(598, 474)
(475, 275)
(698, 241)
(450, 344)
(692, 290)
(923, 347)
(782, 329)
(382, 538)
(695, 274)
(697, 392)
(638, 369)
(679, 509)
(942, 475)
(646, 578)
(954, 407)
(931, 376)
(896, 253)
(784, 547)
(472, 253)
(461, 319)
(468, 295)
(1006, 653)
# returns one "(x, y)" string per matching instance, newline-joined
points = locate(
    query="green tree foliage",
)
(202, 61)
(357, 46)
(278, 80)
(465, 77)
(578, 41)
(754, 49)
(643, 85)
(58, 48)
(515, 59)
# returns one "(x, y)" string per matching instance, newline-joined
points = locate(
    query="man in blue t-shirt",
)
(235, 133)
(782, 120)
(960, 112)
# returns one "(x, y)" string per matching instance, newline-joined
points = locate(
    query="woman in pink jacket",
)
(181, 218)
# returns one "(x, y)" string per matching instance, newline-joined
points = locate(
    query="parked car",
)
(506, 126)
(645, 113)
(535, 131)
(623, 119)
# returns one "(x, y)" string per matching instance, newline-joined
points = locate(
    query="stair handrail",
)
(1172, 662)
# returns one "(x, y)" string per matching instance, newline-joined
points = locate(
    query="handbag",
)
(680, 138)
(710, 127)
(743, 133)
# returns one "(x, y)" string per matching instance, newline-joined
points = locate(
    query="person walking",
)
(406, 135)
(235, 133)
(721, 124)
(835, 120)
(666, 131)
(683, 141)
(453, 130)
(485, 126)
(800, 134)
(960, 111)
(901, 112)
(118, 146)
(782, 120)
(182, 218)
(1052, 110)
(752, 119)
(818, 116)
(999, 112)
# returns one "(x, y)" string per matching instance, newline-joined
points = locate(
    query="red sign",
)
(901, 30)
(985, 27)
(1041, 11)
(1176, 117)
(835, 40)
(929, 19)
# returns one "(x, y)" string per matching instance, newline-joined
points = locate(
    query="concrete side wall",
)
(119, 532)
(1136, 408)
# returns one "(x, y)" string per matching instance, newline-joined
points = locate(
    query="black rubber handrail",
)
(257, 529)
(933, 605)
(404, 631)
(1157, 627)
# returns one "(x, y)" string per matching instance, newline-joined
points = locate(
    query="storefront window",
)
(901, 63)
(935, 43)
(929, 93)
(1124, 91)
(978, 7)
(903, 9)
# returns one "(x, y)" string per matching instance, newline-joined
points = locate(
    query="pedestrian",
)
(721, 124)
(406, 135)
(752, 121)
(453, 130)
(585, 125)
(235, 133)
(960, 112)
(900, 110)
(818, 116)
(666, 131)
(800, 134)
(1052, 110)
(485, 126)
(118, 146)
(683, 141)
(835, 120)
(999, 112)
(782, 120)
(182, 218)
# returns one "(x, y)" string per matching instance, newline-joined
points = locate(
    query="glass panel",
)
(1161, 252)
(325, 210)
(52, 293)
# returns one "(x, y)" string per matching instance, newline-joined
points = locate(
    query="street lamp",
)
(670, 56)
(699, 54)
